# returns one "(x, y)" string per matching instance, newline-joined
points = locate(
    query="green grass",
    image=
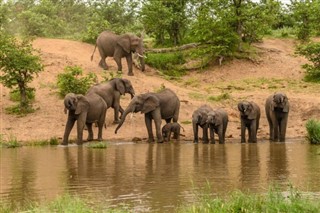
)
(313, 131)
(10, 142)
(52, 141)
(98, 145)
(237, 201)
(218, 98)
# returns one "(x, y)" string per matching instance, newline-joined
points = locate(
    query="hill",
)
(276, 69)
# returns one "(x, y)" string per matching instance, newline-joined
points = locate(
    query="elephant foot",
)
(130, 74)
(100, 139)
(150, 140)
(89, 139)
(64, 144)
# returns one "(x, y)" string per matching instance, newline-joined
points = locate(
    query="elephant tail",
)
(93, 52)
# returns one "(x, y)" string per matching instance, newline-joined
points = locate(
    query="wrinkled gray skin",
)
(249, 116)
(277, 111)
(217, 123)
(111, 92)
(118, 46)
(155, 106)
(86, 110)
(199, 118)
(170, 128)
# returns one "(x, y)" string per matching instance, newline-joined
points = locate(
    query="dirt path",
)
(277, 69)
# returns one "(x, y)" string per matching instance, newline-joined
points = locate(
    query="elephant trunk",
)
(123, 117)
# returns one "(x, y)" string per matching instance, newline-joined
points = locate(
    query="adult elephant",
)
(155, 106)
(277, 111)
(199, 118)
(217, 123)
(111, 91)
(118, 46)
(86, 110)
(250, 117)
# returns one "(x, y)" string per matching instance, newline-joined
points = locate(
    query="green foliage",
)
(96, 25)
(312, 52)
(108, 75)
(222, 97)
(15, 94)
(18, 65)
(52, 141)
(165, 61)
(10, 142)
(72, 80)
(313, 131)
(98, 145)
(237, 201)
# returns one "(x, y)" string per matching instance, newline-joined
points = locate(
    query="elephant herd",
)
(165, 105)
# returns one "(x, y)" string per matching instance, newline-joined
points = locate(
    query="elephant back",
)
(169, 103)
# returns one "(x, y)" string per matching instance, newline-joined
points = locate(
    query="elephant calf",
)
(86, 110)
(199, 118)
(217, 123)
(277, 111)
(169, 128)
(249, 116)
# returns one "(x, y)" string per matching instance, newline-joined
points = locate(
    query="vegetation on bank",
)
(313, 131)
(273, 201)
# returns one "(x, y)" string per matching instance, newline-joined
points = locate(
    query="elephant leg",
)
(178, 134)
(212, 135)
(116, 108)
(195, 133)
(253, 132)
(157, 121)
(283, 129)
(169, 135)
(168, 120)
(118, 61)
(221, 135)
(148, 122)
(102, 62)
(129, 62)
(276, 131)
(205, 134)
(243, 132)
(68, 128)
(80, 127)
(121, 110)
(90, 132)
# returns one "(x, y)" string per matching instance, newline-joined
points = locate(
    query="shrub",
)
(312, 52)
(165, 61)
(73, 81)
(313, 131)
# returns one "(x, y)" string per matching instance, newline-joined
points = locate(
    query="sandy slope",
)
(276, 61)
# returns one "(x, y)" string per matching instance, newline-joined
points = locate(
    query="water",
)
(154, 177)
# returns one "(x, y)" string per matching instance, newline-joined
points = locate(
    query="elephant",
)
(199, 118)
(217, 122)
(168, 128)
(155, 106)
(111, 91)
(250, 117)
(277, 111)
(86, 110)
(118, 46)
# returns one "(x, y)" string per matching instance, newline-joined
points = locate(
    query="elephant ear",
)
(240, 107)
(124, 42)
(120, 86)
(150, 104)
(286, 104)
(253, 112)
(203, 119)
(82, 104)
(217, 119)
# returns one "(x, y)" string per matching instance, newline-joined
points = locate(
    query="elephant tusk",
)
(141, 56)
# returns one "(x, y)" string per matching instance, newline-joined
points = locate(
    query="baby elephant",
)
(250, 116)
(217, 123)
(169, 128)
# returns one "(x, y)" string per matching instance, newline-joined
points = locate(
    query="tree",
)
(165, 17)
(18, 66)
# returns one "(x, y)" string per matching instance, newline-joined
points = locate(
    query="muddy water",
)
(154, 176)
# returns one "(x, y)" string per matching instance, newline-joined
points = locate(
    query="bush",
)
(73, 81)
(312, 52)
(313, 131)
(165, 61)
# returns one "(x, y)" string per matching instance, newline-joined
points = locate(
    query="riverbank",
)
(276, 68)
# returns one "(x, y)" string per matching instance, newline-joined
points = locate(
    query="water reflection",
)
(154, 176)
(278, 163)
